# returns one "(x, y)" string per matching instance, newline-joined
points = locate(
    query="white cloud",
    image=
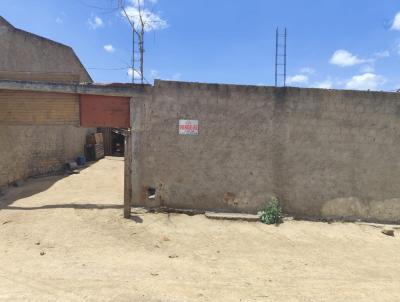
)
(367, 69)
(297, 79)
(343, 58)
(142, 2)
(109, 48)
(307, 70)
(95, 22)
(396, 22)
(136, 3)
(382, 54)
(324, 84)
(366, 81)
(152, 21)
(135, 73)
(154, 73)
(177, 76)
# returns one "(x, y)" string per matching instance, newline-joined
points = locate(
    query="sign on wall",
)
(188, 127)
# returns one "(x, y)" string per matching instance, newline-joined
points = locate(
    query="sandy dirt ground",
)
(64, 239)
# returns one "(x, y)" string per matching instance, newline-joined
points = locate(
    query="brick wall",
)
(39, 133)
(37, 108)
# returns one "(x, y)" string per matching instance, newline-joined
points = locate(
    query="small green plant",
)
(272, 213)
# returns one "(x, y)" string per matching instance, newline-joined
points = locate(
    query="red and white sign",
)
(188, 127)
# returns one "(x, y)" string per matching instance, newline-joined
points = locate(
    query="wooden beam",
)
(137, 110)
(128, 174)
(132, 178)
(96, 89)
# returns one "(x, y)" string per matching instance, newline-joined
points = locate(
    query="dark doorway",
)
(113, 141)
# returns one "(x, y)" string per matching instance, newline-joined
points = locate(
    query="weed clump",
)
(272, 213)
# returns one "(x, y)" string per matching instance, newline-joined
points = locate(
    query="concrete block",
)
(232, 216)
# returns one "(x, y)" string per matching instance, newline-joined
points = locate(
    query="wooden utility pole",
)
(128, 174)
(132, 175)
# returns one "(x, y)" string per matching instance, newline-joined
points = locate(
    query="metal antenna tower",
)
(137, 49)
(140, 40)
(280, 57)
(133, 53)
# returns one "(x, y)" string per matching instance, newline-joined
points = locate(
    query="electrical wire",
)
(101, 68)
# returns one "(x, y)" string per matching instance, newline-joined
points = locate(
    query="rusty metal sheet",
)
(104, 111)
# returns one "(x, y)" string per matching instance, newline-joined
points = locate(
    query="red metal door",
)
(104, 111)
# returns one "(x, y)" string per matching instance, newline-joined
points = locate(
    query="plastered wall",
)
(35, 150)
(26, 56)
(323, 153)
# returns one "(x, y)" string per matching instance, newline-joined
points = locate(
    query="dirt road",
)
(64, 239)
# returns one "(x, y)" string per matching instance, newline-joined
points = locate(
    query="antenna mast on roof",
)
(138, 29)
(280, 58)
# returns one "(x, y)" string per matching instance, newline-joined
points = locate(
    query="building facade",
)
(39, 131)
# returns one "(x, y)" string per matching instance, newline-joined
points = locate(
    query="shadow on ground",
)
(27, 189)
(67, 206)
(37, 184)
(136, 219)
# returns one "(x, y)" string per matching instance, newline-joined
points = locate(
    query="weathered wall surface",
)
(39, 132)
(324, 153)
(38, 108)
(25, 56)
(34, 150)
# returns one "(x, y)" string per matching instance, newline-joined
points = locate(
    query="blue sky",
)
(353, 44)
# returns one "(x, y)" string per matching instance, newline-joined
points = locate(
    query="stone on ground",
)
(388, 232)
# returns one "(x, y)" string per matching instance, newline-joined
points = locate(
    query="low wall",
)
(323, 153)
(34, 150)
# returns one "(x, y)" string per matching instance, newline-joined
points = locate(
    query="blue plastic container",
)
(81, 160)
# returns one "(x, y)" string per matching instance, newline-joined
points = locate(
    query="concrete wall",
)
(323, 153)
(26, 56)
(38, 131)
(34, 150)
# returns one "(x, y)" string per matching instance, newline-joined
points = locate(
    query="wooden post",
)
(128, 174)
(132, 156)
(137, 119)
